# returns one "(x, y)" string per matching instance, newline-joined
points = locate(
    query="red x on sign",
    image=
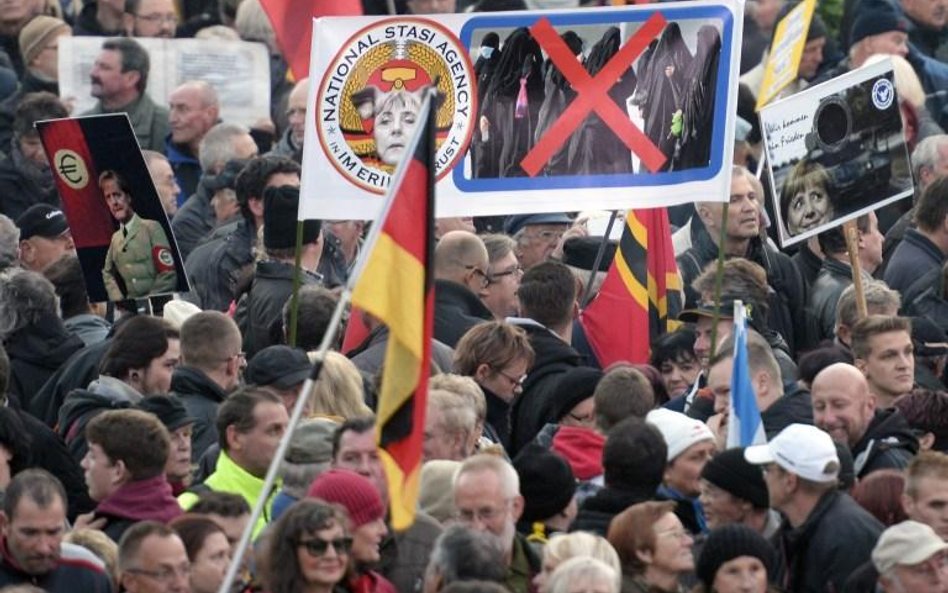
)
(591, 95)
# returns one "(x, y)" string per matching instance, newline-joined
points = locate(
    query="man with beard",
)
(139, 262)
(33, 524)
(487, 498)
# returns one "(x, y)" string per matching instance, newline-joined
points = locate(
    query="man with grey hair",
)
(223, 143)
(929, 162)
(34, 336)
(193, 111)
(449, 424)
(9, 242)
(911, 558)
(880, 300)
(462, 554)
(487, 498)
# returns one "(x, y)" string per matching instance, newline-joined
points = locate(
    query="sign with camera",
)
(836, 151)
(605, 108)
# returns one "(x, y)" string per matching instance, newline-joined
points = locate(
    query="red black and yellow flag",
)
(396, 287)
(641, 295)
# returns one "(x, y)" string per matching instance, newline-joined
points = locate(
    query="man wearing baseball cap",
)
(911, 558)
(826, 535)
(44, 237)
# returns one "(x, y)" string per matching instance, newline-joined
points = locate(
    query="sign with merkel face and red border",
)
(605, 108)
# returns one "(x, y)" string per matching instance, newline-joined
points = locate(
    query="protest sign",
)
(540, 111)
(238, 70)
(122, 235)
(783, 61)
(836, 151)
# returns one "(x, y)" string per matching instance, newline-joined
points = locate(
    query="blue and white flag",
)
(744, 426)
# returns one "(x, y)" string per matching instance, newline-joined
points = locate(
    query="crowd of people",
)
(135, 436)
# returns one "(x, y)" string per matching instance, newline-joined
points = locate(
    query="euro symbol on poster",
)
(71, 168)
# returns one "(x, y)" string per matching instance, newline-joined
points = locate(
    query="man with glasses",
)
(487, 498)
(212, 361)
(539, 236)
(153, 559)
(150, 18)
(461, 281)
(505, 273)
(33, 523)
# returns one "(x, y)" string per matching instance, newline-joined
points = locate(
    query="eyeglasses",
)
(166, 574)
(318, 547)
(515, 271)
(514, 381)
(547, 236)
(483, 514)
(485, 279)
(171, 19)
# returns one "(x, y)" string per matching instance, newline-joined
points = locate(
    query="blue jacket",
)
(912, 259)
(187, 169)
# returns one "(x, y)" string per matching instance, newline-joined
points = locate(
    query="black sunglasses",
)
(318, 547)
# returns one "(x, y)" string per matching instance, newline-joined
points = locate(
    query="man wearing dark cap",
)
(272, 285)
(548, 488)
(44, 237)
(931, 353)
(172, 413)
(733, 491)
(283, 370)
(538, 236)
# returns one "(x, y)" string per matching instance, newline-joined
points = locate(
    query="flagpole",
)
(587, 294)
(295, 296)
(328, 339)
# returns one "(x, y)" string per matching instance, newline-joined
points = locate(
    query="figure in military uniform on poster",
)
(139, 262)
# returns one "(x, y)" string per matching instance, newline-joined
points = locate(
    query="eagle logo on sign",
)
(70, 167)
(370, 96)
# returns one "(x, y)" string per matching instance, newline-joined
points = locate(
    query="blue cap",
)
(515, 223)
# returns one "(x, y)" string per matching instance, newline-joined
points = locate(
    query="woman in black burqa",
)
(487, 59)
(594, 148)
(665, 90)
(511, 106)
(698, 110)
(557, 94)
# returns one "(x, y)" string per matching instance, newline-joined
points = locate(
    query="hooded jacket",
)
(89, 328)
(887, 443)
(201, 397)
(81, 369)
(821, 553)
(141, 500)
(533, 408)
(582, 449)
(35, 352)
(457, 309)
(82, 405)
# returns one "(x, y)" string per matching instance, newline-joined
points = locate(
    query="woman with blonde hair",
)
(563, 546)
(339, 393)
(584, 575)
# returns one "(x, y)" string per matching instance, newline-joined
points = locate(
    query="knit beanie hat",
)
(354, 492)
(574, 386)
(729, 471)
(546, 483)
(678, 430)
(280, 208)
(727, 543)
(875, 18)
(37, 33)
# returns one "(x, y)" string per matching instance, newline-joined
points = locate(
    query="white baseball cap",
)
(906, 543)
(800, 449)
(678, 430)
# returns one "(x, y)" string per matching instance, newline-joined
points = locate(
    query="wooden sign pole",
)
(852, 245)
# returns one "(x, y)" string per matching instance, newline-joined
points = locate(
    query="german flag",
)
(396, 287)
(292, 22)
(641, 295)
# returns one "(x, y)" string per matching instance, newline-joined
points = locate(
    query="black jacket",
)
(80, 370)
(79, 407)
(29, 83)
(36, 352)
(533, 408)
(787, 302)
(194, 220)
(262, 305)
(219, 264)
(835, 540)
(201, 397)
(914, 256)
(887, 443)
(18, 191)
(832, 280)
(795, 407)
(597, 511)
(457, 309)
(808, 263)
(925, 298)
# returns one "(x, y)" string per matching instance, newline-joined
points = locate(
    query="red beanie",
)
(351, 490)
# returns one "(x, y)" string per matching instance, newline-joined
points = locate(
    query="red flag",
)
(641, 295)
(396, 287)
(292, 22)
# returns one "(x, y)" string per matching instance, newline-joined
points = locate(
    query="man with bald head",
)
(844, 407)
(193, 111)
(291, 143)
(461, 281)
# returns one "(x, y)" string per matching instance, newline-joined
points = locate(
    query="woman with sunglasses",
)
(308, 551)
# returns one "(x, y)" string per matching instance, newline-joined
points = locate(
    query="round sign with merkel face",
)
(370, 96)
